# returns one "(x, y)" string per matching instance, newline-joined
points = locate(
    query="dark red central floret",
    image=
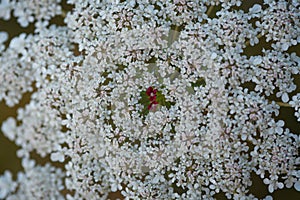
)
(151, 93)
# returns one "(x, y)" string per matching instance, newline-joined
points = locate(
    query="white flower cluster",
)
(37, 182)
(28, 11)
(150, 98)
(280, 23)
(296, 104)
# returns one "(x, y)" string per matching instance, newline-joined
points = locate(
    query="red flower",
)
(152, 105)
(150, 91)
(152, 97)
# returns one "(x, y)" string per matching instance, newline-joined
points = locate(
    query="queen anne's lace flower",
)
(150, 99)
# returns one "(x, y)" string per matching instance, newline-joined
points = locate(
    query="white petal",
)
(57, 156)
(256, 8)
(114, 187)
(271, 188)
(213, 55)
(266, 181)
(3, 36)
(285, 97)
(9, 128)
(285, 46)
(297, 186)
(244, 137)
(280, 123)
(280, 185)
(268, 197)
(279, 130)
(257, 61)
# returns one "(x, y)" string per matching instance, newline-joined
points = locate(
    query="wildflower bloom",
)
(91, 111)
(151, 93)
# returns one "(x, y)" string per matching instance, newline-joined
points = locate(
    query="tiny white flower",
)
(268, 197)
(3, 36)
(57, 156)
(285, 97)
(5, 9)
(257, 60)
(297, 186)
(256, 8)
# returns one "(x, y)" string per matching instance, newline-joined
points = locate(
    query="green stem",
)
(174, 36)
(64, 13)
(281, 104)
(210, 9)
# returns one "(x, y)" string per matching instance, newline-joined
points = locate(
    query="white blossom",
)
(150, 99)
(7, 185)
(5, 9)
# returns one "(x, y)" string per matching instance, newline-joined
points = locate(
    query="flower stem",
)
(210, 9)
(281, 104)
(173, 35)
(64, 13)
(176, 33)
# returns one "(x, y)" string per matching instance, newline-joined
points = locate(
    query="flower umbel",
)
(150, 99)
